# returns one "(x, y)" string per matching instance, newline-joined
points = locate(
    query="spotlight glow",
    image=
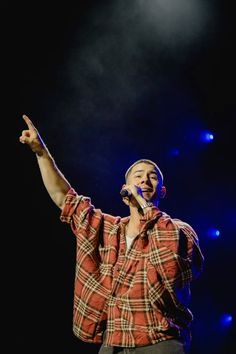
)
(206, 137)
(174, 152)
(226, 320)
(213, 233)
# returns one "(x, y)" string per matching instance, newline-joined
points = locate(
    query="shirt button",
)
(122, 251)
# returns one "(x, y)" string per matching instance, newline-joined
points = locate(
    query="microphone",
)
(125, 193)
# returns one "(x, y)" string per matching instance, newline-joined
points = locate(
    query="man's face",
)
(145, 176)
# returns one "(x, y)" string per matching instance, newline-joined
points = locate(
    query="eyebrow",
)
(143, 170)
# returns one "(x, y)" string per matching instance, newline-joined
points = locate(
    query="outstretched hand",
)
(31, 137)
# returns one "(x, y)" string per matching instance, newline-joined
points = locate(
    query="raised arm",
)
(54, 181)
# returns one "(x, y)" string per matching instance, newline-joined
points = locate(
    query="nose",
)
(146, 179)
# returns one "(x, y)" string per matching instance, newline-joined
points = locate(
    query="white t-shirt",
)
(129, 241)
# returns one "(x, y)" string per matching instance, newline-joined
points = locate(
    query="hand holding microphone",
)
(129, 190)
(138, 200)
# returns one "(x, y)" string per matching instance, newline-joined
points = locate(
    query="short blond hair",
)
(150, 162)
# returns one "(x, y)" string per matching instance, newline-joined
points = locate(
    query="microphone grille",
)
(124, 193)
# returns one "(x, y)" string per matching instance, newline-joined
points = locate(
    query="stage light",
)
(206, 137)
(213, 233)
(226, 320)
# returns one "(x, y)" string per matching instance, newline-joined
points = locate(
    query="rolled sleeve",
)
(72, 201)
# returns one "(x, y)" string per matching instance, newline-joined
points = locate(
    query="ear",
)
(162, 192)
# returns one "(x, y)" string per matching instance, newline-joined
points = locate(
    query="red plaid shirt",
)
(140, 295)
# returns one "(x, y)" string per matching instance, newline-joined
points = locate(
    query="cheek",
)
(134, 181)
(156, 188)
(155, 185)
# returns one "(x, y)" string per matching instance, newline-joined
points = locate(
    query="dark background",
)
(106, 83)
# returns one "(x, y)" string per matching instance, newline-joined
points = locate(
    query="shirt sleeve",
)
(82, 216)
(178, 260)
(189, 249)
(177, 255)
(72, 200)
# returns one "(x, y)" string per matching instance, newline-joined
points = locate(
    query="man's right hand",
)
(54, 181)
(32, 138)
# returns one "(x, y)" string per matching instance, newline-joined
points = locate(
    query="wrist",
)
(42, 152)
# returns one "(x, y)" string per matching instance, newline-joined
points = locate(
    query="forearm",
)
(54, 181)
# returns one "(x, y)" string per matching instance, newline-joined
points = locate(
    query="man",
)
(133, 274)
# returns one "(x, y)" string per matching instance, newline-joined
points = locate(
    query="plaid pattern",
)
(142, 295)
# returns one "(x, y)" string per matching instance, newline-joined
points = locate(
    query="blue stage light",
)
(226, 320)
(213, 233)
(206, 137)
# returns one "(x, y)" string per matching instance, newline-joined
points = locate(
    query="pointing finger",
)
(28, 122)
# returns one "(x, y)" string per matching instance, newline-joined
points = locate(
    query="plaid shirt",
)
(141, 296)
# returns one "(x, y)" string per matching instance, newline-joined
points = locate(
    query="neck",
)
(134, 215)
(133, 226)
